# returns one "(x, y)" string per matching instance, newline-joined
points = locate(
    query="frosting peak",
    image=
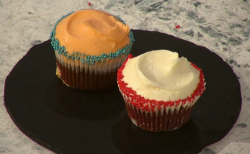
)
(92, 32)
(161, 75)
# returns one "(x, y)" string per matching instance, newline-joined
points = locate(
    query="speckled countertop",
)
(223, 26)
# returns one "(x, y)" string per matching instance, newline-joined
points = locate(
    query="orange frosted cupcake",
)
(160, 89)
(90, 45)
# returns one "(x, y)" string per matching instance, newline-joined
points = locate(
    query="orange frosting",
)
(92, 32)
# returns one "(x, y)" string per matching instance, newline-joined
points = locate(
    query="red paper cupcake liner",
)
(161, 121)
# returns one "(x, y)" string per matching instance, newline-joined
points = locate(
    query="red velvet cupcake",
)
(90, 45)
(160, 89)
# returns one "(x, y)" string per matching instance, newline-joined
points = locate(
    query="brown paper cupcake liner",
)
(88, 77)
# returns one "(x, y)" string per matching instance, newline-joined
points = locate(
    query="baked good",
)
(90, 45)
(160, 89)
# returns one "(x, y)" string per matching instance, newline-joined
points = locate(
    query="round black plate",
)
(66, 120)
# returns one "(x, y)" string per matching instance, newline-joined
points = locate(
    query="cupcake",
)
(160, 89)
(90, 45)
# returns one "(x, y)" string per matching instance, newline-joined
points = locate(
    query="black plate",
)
(66, 120)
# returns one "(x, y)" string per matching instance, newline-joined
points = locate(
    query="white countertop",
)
(223, 26)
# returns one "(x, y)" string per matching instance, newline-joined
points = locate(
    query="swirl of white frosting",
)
(161, 75)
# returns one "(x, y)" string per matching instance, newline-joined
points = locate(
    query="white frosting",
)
(161, 75)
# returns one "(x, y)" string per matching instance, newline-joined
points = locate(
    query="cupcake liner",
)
(155, 115)
(88, 77)
(165, 119)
